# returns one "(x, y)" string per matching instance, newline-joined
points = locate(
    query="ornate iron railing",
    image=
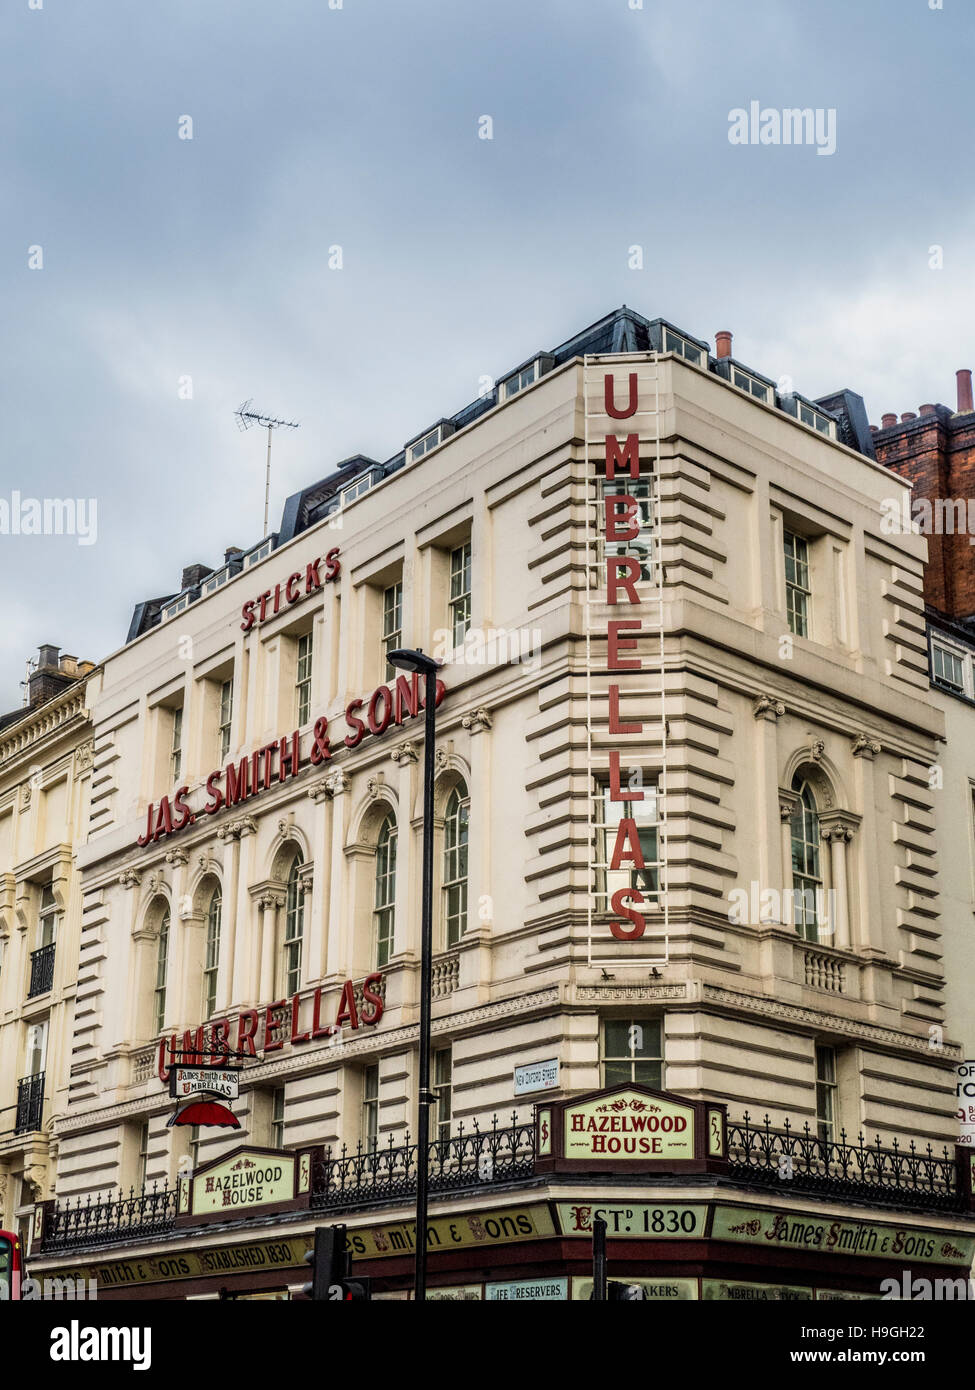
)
(30, 1103)
(790, 1159)
(798, 1159)
(468, 1160)
(41, 970)
(77, 1223)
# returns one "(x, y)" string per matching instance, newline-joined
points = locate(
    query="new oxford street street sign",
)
(631, 1129)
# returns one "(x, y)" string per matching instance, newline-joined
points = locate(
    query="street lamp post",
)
(418, 662)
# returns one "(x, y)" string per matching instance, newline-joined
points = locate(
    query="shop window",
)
(633, 1052)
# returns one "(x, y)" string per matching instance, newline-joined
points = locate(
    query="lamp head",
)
(405, 659)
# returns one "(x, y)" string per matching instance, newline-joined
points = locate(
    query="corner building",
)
(686, 851)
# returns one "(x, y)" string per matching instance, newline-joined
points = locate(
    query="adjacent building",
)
(690, 953)
(45, 782)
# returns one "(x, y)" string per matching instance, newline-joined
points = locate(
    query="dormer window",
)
(751, 385)
(431, 440)
(216, 580)
(356, 489)
(260, 552)
(676, 342)
(817, 420)
(948, 668)
(176, 605)
(525, 376)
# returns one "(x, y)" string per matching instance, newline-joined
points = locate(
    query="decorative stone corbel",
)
(865, 747)
(130, 878)
(766, 707)
(405, 753)
(338, 782)
(477, 720)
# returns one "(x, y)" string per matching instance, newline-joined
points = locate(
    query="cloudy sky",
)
(172, 264)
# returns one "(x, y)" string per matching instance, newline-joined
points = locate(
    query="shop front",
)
(695, 1208)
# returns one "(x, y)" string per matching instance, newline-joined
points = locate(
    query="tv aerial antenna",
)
(245, 418)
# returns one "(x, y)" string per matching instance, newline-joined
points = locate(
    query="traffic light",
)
(331, 1270)
(356, 1291)
(328, 1263)
(623, 1293)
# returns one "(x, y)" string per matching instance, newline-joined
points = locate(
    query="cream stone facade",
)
(760, 737)
(45, 780)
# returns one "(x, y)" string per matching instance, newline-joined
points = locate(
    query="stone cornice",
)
(52, 717)
(816, 1018)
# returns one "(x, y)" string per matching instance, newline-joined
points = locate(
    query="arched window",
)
(162, 959)
(807, 879)
(212, 959)
(294, 928)
(456, 826)
(385, 890)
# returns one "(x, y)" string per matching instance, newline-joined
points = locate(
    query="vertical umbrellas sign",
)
(626, 739)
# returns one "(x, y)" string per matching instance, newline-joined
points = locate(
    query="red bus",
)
(10, 1266)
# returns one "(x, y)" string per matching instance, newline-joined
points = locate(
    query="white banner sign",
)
(196, 1081)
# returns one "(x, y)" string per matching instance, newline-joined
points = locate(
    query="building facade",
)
(45, 785)
(686, 848)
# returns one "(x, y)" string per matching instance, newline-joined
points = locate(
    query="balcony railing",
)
(793, 1159)
(478, 1158)
(41, 970)
(787, 1159)
(80, 1222)
(30, 1103)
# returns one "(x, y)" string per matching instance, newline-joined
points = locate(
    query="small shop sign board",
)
(199, 1081)
(631, 1128)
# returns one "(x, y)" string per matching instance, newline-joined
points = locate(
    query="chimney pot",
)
(964, 379)
(887, 420)
(928, 409)
(874, 429)
(722, 344)
(908, 415)
(47, 655)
